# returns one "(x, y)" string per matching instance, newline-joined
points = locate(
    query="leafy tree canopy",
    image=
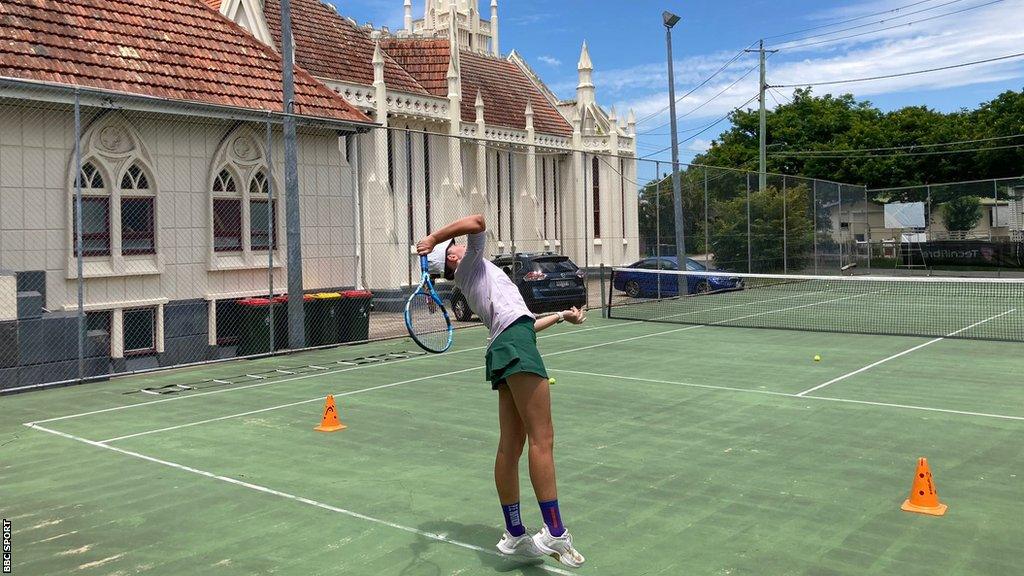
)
(837, 123)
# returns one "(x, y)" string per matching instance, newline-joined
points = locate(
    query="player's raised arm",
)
(462, 227)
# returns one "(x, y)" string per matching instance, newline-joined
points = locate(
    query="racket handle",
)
(424, 264)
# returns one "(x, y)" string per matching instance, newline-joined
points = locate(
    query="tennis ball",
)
(817, 358)
(551, 381)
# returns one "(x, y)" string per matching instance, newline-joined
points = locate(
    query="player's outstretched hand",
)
(576, 315)
(425, 246)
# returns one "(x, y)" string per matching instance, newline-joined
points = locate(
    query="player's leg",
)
(532, 396)
(512, 437)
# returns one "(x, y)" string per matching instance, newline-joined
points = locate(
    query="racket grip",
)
(424, 263)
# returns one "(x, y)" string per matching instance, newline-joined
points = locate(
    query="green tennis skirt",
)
(513, 351)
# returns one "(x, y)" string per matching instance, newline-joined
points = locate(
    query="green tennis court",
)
(681, 450)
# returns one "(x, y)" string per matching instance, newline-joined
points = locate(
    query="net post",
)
(604, 311)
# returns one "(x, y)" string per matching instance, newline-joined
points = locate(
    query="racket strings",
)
(428, 322)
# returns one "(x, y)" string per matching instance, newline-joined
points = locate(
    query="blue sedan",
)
(638, 283)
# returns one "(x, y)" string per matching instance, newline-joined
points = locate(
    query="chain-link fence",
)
(961, 227)
(732, 222)
(138, 233)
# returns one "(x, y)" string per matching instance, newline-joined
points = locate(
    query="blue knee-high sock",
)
(549, 511)
(513, 522)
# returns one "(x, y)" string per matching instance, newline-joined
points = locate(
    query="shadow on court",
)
(475, 534)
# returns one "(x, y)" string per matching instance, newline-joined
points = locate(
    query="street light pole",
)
(671, 20)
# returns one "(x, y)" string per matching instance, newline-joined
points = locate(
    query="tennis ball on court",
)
(817, 358)
(551, 381)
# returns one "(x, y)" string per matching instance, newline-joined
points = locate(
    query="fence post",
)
(785, 231)
(867, 227)
(604, 311)
(270, 234)
(750, 247)
(707, 234)
(79, 256)
(814, 213)
(586, 234)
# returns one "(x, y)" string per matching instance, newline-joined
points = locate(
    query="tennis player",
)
(516, 370)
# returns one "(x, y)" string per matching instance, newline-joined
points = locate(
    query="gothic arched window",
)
(227, 213)
(138, 214)
(262, 213)
(95, 213)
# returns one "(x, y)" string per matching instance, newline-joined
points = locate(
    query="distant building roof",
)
(329, 45)
(174, 49)
(504, 86)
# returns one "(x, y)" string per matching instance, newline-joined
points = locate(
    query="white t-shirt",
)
(491, 294)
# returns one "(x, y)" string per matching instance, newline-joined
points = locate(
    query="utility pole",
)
(763, 130)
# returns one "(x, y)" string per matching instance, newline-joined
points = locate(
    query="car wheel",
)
(461, 309)
(703, 287)
(632, 289)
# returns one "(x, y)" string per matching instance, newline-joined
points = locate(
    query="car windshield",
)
(553, 265)
(694, 266)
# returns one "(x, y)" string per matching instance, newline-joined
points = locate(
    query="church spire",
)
(494, 29)
(585, 88)
(408, 15)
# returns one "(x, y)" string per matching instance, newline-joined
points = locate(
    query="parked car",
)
(638, 283)
(547, 281)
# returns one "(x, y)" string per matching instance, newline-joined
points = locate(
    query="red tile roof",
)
(425, 59)
(504, 86)
(329, 45)
(174, 49)
(506, 89)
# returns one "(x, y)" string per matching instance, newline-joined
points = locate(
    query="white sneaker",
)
(560, 548)
(510, 545)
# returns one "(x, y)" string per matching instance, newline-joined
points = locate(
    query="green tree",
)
(961, 214)
(775, 241)
(836, 123)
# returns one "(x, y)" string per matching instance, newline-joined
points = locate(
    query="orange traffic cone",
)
(924, 498)
(330, 422)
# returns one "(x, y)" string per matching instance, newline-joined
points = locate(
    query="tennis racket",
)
(426, 318)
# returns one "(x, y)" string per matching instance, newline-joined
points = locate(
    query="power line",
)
(902, 74)
(706, 102)
(800, 41)
(892, 148)
(705, 128)
(697, 87)
(859, 34)
(847, 21)
(932, 153)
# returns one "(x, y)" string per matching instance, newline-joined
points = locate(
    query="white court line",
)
(280, 494)
(327, 373)
(795, 396)
(302, 377)
(300, 402)
(382, 386)
(904, 353)
(558, 353)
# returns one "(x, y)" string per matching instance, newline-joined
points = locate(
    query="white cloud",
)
(550, 60)
(969, 36)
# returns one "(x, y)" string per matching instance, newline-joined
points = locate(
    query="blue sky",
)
(627, 45)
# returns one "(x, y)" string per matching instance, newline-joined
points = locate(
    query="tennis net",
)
(973, 308)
